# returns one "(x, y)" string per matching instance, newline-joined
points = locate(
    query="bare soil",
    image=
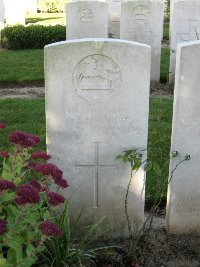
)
(157, 249)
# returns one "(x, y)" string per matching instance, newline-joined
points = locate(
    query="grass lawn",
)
(46, 18)
(166, 31)
(29, 115)
(164, 66)
(22, 66)
(27, 66)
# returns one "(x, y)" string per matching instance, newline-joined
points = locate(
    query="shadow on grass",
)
(35, 20)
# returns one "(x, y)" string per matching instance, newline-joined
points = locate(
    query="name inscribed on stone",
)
(190, 206)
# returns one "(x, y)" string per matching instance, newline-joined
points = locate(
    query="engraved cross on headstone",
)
(96, 167)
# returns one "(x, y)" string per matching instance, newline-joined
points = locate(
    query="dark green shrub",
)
(31, 37)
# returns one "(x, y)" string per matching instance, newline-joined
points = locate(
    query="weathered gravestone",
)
(142, 21)
(87, 19)
(183, 209)
(1, 14)
(184, 27)
(97, 94)
(14, 12)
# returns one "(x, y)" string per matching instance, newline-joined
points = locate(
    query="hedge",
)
(31, 37)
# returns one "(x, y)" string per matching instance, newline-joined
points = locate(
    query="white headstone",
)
(1, 14)
(97, 94)
(142, 21)
(31, 6)
(184, 27)
(87, 19)
(183, 209)
(14, 12)
(114, 10)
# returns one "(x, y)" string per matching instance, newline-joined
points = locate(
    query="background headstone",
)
(1, 14)
(97, 94)
(87, 19)
(114, 10)
(184, 27)
(142, 21)
(14, 12)
(183, 208)
(31, 6)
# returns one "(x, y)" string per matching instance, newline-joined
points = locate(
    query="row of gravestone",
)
(97, 101)
(140, 20)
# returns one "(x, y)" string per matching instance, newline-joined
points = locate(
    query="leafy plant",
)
(29, 37)
(27, 207)
(69, 251)
(134, 158)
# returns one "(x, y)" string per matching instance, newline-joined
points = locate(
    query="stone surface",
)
(183, 209)
(87, 19)
(97, 94)
(15, 12)
(114, 10)
(142, 21)
(1, 14)
(184, 27)
(31, 6)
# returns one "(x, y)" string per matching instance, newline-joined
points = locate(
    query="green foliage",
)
(68, 251)
(21, 239)
(52, 6)
(34, 36)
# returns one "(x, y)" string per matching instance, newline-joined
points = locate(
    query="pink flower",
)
(6, 185)
(3, 225)
(49, 229)
(31, 165)
(55, 198)
(2, 125)
(61, 183)
(24, 139)
(40, 155)
(36, 184)
(49, 169)
(27, 194)
(4, 154)
(20, 201)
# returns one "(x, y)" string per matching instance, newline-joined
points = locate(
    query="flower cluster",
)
(27, 194)
(38, 186)
(4, 154)
(3, 225)
(52, 170)
(6, 185)
(55, 199)
(24, 139)
(49, 229)
(2, 125)
(40, 155)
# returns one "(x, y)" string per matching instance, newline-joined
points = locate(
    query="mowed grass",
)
(22, 66)
(164, 65)
(166, 31)
(27, 66)
(29, 115)
(46, 18)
